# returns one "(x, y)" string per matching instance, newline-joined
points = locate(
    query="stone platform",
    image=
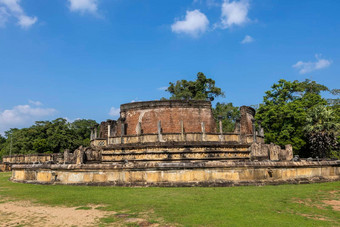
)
(209, 173)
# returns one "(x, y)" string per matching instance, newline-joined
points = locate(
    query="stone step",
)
(175, 156)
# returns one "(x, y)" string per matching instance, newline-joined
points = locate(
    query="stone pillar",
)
(261, 132)
(91, 136)
(139, 128)
(289, 150)
(139, 132)
(237, 126)
(67, 155)
(182, 131)
(122, 132)
(274, 152)
(220, 124)
(254, 130)
(203, 131)
(95, 132)
(159, 130)
(108, 131)
(221, 136)
(79, 155)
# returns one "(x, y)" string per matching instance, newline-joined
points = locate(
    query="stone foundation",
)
(5, 167)
(211, 173)
(261, 151)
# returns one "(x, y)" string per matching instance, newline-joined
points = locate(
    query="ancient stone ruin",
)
(173, 143)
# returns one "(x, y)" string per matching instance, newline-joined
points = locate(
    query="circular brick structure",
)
(172, 115)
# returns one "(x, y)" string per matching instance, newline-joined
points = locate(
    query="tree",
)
(2, 141)
(201, 89)
(284, 111)
(47, 137)
(335, 105)
(321, 130)
(82, 130)
(229, 115)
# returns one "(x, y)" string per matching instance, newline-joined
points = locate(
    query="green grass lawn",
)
(284, 205)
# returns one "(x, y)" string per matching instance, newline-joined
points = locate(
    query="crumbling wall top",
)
(166, 103)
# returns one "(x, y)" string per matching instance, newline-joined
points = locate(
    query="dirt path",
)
(332, 200)
(24, 213)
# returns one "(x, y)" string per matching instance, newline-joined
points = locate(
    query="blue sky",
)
(83, 58)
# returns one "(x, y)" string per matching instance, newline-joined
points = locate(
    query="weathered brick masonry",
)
(247, 116)
(170, 114)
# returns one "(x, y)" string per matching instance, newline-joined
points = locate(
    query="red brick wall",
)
(170, 113)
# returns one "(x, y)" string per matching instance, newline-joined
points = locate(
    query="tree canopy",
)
(202, 88)
(228, 114)
(321, 129)
(47, 137)
(284, 112)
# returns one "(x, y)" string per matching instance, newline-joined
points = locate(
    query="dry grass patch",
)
(26, 213)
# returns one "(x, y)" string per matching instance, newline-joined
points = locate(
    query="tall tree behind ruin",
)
(202, 88)
(228, 115)
(284, 112)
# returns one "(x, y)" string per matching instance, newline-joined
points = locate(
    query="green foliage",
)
(2, 141)
(284, 112)
(202, 88)
(229, 115)
(321, 118)
(47, 137)
(82, 130)
(322, 128)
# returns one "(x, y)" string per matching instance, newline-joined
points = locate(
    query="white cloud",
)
(209, 3)
(4, 15)
(13, 8)
(22, 115)
(36, 103)
(247, 39)
(12, 5)
(162, 88)
(193, 24)
(212, 3)
(26, 22)
(90, 6)
(307, 67)
(234, 13)
(114, 112)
